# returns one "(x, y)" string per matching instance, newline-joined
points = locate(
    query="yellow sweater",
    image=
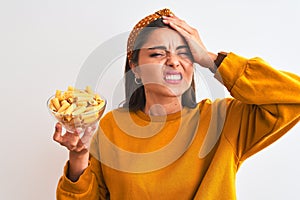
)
(195, 153)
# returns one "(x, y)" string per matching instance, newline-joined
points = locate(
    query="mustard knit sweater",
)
(195, 153)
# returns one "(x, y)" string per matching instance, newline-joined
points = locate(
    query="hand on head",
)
(200, 54)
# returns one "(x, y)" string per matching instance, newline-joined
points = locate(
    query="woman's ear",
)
(134, 69)
(132, 65)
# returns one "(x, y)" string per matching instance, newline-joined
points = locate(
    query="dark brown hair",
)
(135, 98)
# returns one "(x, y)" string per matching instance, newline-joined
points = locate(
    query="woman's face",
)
(165, 63)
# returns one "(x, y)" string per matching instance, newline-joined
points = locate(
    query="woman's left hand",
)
(191, 35)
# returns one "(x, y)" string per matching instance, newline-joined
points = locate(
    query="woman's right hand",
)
(73, 141)
(78, 147)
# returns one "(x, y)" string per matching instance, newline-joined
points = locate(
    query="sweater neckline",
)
(168, 117)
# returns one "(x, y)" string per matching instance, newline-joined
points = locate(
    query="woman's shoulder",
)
(218, 105)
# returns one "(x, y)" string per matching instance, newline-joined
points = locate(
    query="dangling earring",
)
(137, 81)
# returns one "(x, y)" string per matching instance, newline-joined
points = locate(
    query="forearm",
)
(216, 60)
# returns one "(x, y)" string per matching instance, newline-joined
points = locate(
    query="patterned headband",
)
(142, 24)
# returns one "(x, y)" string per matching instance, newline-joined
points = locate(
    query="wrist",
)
(213, 57)
(78, 162)
(218, 59)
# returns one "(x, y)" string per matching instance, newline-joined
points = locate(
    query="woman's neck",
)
(162, 105)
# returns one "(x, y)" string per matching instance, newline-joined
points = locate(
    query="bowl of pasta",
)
(76, 108)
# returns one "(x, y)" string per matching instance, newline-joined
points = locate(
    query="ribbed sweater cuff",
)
(81, 185)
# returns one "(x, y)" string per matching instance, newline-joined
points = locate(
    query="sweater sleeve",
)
(90, 184)
(266, 103)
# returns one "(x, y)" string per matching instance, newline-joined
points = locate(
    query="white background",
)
(44, 43)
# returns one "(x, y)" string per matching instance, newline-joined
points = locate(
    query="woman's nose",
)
(172, 60)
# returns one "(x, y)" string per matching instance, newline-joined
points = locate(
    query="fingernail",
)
(57, 127)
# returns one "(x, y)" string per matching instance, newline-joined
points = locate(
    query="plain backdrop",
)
(44, 44)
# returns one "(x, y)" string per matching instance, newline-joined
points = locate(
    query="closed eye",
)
(185, 54)
(157, 54)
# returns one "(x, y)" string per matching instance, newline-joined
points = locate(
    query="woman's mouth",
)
(173, 77)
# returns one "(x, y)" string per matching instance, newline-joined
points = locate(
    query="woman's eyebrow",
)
(158, 47)
(165, 48)
(182, 47)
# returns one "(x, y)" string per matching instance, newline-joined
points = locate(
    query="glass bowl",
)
(77, 118)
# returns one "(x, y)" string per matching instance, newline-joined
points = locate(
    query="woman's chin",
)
(177, 91)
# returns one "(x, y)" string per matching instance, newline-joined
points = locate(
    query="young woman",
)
(162, 144)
